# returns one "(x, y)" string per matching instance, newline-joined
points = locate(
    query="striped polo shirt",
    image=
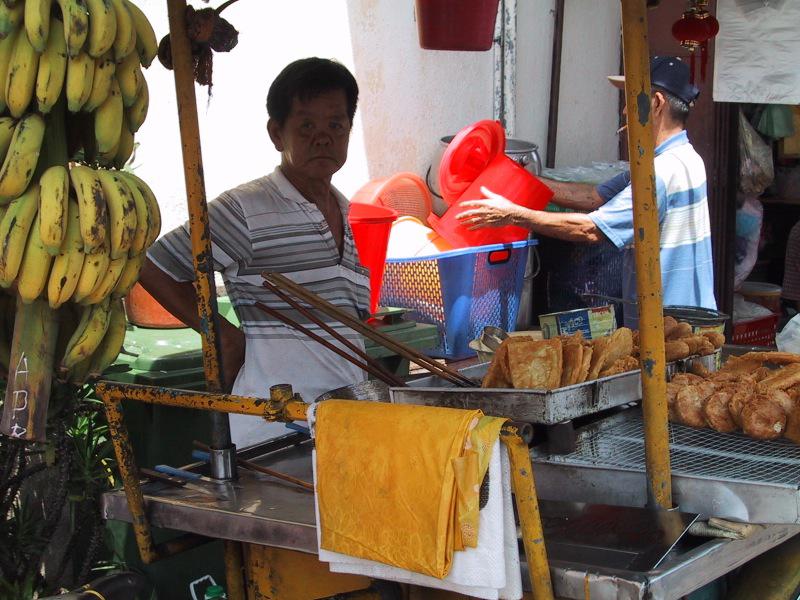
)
(687, 270)
(267, 225)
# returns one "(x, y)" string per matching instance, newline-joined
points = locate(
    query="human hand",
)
(494, 211)
(232, 350)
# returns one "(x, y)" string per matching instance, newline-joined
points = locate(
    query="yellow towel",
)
(399, 484)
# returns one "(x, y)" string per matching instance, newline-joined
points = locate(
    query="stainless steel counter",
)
(269, 512)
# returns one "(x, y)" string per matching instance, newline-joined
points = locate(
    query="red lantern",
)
(693, 30)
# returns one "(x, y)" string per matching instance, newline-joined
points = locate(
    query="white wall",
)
(409, 99)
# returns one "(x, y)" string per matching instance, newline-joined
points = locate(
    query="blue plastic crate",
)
(460, 292)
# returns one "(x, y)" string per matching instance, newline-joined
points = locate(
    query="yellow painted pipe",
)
(528, 508)
(641, 150)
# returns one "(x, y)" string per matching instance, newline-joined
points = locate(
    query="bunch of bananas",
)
(74, 226)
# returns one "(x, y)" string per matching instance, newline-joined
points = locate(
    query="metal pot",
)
(526, 154)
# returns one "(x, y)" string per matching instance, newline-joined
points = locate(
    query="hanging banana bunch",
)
(74, 226)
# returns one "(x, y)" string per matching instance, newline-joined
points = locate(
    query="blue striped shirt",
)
(687, 269)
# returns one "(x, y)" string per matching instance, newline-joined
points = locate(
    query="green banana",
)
(80, 75)
(11, 18)
(137, 112)
(108, 120)
(129, 276)
(146, 42)
(22, 156)
(53, 207)
(125, 148)
(95, 264)
(129, 75)
(107, 282)
(14, 229)
(104, 69)
(121, 212)
(6, 51)
(153, 211)
(20, 83)
(125, 40)
(68, 264)
(7, 125)
(102, 27)
(37, 22)
(87, 337)
(91, 205)
(76, 24)
(52, 68)
(35, 268)
(108, 350)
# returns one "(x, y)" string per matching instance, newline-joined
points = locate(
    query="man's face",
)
(313, 141)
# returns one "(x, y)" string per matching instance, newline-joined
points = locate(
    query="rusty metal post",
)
(528, 508)
(641, 149)
(198, 217)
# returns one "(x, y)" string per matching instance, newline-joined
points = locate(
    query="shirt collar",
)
(290, 192)
(678, 139)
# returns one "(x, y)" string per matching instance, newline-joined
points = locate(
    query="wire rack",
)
(701, 453)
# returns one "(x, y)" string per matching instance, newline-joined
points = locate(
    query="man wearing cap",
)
(686, 261)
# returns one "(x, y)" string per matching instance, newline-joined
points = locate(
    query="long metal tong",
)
(283, 287)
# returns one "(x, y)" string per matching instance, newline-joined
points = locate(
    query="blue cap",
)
(669, 73)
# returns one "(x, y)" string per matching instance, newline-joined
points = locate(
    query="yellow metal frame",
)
(284, 406)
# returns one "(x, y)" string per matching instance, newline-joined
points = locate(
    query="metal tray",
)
(714, 474)
(546, 407)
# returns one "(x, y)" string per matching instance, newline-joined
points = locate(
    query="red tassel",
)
(703, 60)
(691, 64)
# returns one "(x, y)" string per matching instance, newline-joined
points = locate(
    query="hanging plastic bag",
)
(755, 159)
(788, 340)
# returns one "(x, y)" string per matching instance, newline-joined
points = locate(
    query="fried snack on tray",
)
(670, 325)
(762, 418)
(623, 365)
(572, 363)
(777, 358)
(792, 431)
(716, 413)
(681, 331)
(620, 345)
(536, 364)
(675, 350)
(716, 338)
(782, 379)
(586, 363)
(689, 404)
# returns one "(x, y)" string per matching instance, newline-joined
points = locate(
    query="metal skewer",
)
(335, 312)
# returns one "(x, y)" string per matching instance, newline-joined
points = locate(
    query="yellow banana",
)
(102, 27)
(108, 120)
(14, 229)
(106, 159)
(6, 51)
(7, 125)
(95, 264)
(146, 42)
(125, 40)
(52, 68)
(108, 350)
(121, 212)
(138, 110)
(22, 156)
(68, 264)
(76, 24)
(80, 74)
(129, 276)
(11, 18)
(37, 22)
(53, 207)
(143, 220)
(125, 148)
(107, 282)
(91, 206)
(104, 68)
(20, 81)
(87, 337)
(153, 211)
(129, 75)
(35, 268)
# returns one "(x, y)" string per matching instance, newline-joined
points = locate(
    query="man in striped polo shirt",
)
(686, 261)
(292, 221)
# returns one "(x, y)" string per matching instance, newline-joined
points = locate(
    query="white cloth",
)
(490, 571)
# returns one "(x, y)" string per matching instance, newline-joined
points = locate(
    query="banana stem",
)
(54, 147)
(30, 371)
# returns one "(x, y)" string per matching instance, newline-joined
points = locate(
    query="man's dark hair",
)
(678, 109)
(306, 79)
